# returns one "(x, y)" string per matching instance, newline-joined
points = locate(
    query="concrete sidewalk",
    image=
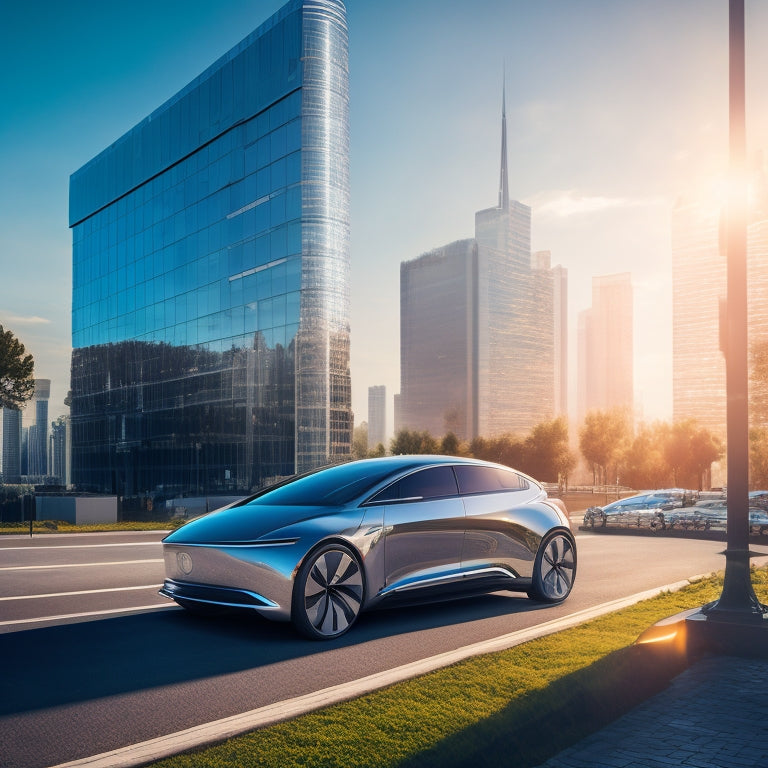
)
(713, 715)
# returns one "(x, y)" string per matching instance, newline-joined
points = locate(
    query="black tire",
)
(554, 569)
(658, 523)
(328, 592)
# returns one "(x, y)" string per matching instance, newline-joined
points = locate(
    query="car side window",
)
(431, 483)
(477, 479)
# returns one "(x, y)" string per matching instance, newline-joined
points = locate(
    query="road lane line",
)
(61, 617)
(57, 547)
(219, 730)
(80, 592)
(77, 565)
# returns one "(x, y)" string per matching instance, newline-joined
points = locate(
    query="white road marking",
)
(219, 730)
(66, 616)
(80, 592)
(76, 565)
(57, 547)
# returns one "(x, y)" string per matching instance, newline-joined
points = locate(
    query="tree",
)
(706, 448)
(450, 445)
(758, 382)
(603, 439)
(758, 458)
(505, 449)
(546, 454)
(644, 464)
(360, 441)
(690, 451)
(17, 382)
(408, 441)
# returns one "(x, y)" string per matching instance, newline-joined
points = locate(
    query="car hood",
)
(239, 525)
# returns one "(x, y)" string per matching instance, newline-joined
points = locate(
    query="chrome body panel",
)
(501, 534)
(223, 596)
(264, 570)
(423, 539)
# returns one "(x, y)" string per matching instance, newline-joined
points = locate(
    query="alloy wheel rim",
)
(333, 592)
(557, 567)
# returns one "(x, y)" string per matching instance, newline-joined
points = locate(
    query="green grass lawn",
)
(513, 708)
(40, 527)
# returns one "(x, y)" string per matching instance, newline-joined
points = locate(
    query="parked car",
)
(322, 547)
(758, 499)
(647, 509)
(705, 515)
(714, 516)
(758, 520)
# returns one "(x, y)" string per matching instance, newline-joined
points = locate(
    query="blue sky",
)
(614, 108)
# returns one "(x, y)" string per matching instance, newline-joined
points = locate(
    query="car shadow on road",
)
(89, 660)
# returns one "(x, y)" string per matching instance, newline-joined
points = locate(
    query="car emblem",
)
(184, 561)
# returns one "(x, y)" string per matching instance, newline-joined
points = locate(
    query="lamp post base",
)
(711, 630)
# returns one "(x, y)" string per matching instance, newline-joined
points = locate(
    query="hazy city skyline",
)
(613, 110)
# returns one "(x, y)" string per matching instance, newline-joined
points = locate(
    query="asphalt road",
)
(94, 659)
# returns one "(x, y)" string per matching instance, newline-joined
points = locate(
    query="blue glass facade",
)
(210, 313)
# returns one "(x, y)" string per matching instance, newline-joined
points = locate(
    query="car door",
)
(424, 529)
(503, 526)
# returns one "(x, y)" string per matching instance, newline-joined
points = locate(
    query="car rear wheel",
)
(328, 593)
(554, 569)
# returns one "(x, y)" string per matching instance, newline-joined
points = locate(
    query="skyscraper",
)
(377, 416)
(58, 450)
(699, 275)
(542, 260)
(438, 341)
(477, 328)
(210, 317)
(698, 282)
(11, 446)
(606, 347)
(38, 431)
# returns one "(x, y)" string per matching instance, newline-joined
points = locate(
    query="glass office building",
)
(699, 282)
(11, 458)
(210, 312)
(438, 341)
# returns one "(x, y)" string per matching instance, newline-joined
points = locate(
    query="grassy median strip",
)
(40, 527)
(512, 708)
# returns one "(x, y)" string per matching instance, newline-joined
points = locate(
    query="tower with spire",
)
(477, 322)
(503, 183)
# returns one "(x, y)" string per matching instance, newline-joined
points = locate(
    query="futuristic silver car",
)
(320, 548)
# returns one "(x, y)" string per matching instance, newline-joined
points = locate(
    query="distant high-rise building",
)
(11, 446)
(542, 260)
(37, 444)
(210, 312)
(606, 347)
(438, 341)
(699, 282)
(396, 412)
(59, 450)
(377, 416)
(477, 328)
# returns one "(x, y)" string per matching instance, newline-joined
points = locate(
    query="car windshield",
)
(329, 487)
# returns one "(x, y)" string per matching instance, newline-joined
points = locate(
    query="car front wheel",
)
(328, 593)
(554, 569)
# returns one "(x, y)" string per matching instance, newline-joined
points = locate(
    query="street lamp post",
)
(737, 601)
(736, 622)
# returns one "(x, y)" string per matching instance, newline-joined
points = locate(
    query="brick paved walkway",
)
(714, 715)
